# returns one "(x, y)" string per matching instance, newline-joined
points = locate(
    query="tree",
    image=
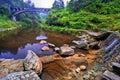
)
(58, 4)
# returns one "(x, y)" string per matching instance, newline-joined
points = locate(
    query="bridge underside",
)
(18, 10)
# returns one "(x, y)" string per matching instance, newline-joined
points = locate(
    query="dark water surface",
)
(14, 44)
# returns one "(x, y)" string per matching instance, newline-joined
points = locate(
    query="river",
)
(14, 44)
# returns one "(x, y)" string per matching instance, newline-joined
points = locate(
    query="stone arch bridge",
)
(14, 10)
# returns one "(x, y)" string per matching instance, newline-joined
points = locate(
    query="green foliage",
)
(57, 18)
(27, 19)
(84, 20)
(58, 5)
(95, 6)
(88, 14)
(6, 23)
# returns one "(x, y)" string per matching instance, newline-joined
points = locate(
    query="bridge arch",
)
(18, 10)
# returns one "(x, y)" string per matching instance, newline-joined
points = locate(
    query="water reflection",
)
(21, 52)
(15, 44)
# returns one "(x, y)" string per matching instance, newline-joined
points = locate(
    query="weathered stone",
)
(110, 76)
(94, 45)
(73, 47)
(3, 72)
(11, 65)
(43, 42)
(51, 58)
(75, 60)
(77, 70)
(81, 44)
(86, 77)
(51, 45)
(81, 37)
(83, 67)
(57, 49)
(32, 62)
(116, 67)
(45, 48)
(99, 35)
(21, 76)
(66, 51)
(82, 55)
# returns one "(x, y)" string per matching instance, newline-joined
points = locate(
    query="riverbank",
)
(72, 59)
(76, 66)
(69, 31)
(8, 29)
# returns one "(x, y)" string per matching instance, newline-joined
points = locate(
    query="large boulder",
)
(10, 65)
(66, 51)
(3, 72)
(32, 62)
(81, 44)
(27, 75)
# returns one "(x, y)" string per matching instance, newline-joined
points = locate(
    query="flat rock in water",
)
(26, 75)
(43, 42)
(41, 37)
(45, 48)
(66, 51)
(32, 62)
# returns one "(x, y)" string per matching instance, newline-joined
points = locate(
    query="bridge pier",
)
(13, 18)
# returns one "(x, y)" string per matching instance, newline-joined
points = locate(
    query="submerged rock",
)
(32, 62)
(42, 36)
(66, 51)
(26, 75)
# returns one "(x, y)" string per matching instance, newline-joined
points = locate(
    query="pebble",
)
(22, 77)
(83, 67)
(82, 55)
(32, 73)
(77, 70)
(27, 75)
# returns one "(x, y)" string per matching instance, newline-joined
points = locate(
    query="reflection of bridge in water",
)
(18, 10)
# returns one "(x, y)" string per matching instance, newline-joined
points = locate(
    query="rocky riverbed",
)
(77, 61)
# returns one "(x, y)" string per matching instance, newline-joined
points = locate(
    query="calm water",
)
(14, 44)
